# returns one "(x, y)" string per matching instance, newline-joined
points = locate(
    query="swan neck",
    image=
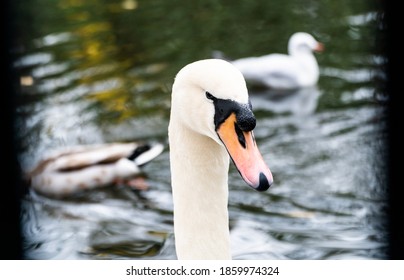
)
(199, 173)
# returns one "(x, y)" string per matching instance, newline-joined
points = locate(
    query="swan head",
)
(302, 42)
(210, 97)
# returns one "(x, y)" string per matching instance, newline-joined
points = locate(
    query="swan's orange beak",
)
(244, 152)
(319, 47)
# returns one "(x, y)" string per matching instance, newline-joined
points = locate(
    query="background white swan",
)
(211, 118)
(281, 71)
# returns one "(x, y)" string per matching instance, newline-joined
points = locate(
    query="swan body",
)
(297, 69)
(74, 169)
(211, 121)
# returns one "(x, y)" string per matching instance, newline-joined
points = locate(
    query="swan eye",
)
(209, 96)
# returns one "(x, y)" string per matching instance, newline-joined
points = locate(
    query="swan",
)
(73, 169)
(296, 70)
(211, 121)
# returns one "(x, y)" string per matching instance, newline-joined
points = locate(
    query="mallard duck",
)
(295, 70)
(211, 121)
(73, 169)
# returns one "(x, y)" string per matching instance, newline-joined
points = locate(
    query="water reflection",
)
(298, 102)
(94, 72)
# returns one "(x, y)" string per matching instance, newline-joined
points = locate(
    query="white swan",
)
(280, 71)
(73, 169)
(211, 118)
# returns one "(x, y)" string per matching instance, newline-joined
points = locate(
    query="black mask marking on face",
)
(224, 107)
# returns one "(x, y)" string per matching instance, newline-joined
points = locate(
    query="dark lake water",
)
(101, 71)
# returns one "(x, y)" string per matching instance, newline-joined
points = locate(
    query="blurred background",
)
(101, 71)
